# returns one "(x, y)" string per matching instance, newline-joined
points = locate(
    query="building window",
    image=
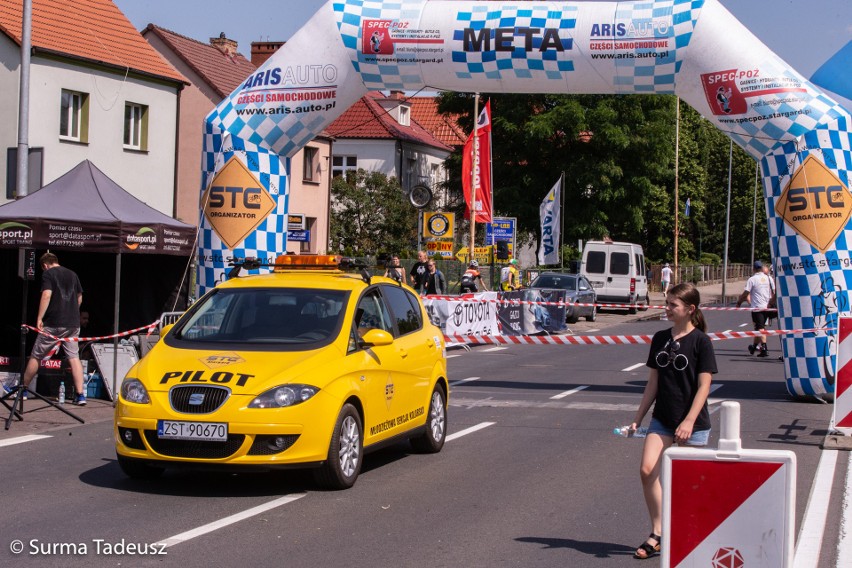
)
(404, 116)
(74, 116)
(342, 164)
(310, 164)
(135, 126)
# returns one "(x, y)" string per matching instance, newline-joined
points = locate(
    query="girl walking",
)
(681, 362)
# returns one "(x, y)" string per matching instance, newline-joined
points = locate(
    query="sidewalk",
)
(710, 294)
(41, 418)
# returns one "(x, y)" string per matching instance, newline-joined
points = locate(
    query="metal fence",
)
(698, 274)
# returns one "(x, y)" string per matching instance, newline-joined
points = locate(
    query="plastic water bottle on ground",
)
(61, 396)
(626, 432)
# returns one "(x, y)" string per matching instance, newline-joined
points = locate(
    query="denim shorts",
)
(698, 438)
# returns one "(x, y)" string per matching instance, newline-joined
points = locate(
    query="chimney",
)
(263, 50)
(225, 45)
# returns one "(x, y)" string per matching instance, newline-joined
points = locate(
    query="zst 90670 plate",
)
(207, 431)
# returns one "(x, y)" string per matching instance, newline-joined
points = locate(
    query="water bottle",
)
(62, 392)
(626, 432)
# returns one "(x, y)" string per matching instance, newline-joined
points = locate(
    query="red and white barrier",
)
(842, 417)
(605, 339)
(59, 340)
(469, 298)
(728, 507)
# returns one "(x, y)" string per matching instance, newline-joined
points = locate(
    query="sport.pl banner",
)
(692, 48)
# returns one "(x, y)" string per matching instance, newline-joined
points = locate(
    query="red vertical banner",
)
(476, 169)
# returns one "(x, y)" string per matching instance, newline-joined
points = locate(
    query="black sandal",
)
(647, 550)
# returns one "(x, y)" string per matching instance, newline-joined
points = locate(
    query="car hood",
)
(244, 372)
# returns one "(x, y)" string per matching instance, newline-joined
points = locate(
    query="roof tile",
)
(222, 72)
(95, 30)
(367, 119)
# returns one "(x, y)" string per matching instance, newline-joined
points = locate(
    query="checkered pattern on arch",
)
(270, 238)
(813, 287)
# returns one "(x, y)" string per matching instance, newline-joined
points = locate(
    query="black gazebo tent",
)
(84, 212)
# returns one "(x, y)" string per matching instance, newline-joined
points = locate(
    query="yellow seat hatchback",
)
(308, 366)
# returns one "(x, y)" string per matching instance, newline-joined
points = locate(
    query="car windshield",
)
(265, 316)
(559, 281)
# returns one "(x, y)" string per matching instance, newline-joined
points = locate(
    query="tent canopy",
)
(84, 210)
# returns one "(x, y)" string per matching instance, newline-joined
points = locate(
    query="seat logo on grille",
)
(196, 399)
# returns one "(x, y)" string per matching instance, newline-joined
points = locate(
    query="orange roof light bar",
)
(318, 262)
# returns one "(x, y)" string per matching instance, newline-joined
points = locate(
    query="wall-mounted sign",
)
(299, 236)
(438, 225)
(295, 222)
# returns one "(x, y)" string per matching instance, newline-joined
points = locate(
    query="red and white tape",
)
(514, 302)
(608, 339)
(59, 340)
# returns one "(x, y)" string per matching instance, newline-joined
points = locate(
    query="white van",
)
(617, 272)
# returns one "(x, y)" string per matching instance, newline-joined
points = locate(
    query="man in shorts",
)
(59, 317)
(759, 293)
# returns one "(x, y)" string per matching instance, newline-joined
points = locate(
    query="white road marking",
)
(594, 329)
(743, 324)
(467, 380)
(493, 349)
(496, 403)
(470, 430)
(844, 546)
(633, 367)
(216, 525)
(568, 392)
(809, 543)
(451, 356)
(21, 440)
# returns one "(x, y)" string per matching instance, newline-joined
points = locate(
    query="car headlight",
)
(132, 390)
(284, 395)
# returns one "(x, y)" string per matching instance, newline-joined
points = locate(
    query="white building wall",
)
(148, 175)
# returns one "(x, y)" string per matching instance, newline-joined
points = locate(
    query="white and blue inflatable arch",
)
(692, 48)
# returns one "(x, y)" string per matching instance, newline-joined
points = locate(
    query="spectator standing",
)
(394, 270)
(666, 278)
(435, 282)
(419, 271)
(59, 317)
(759, 293)
(681, 362)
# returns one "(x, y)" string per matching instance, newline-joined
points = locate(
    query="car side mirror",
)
(376, 338)
(166, 329)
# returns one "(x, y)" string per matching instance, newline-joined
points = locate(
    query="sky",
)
(804, 33)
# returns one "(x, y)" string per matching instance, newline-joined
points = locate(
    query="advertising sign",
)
(299, 236)
(444, 248)
(501, 229)
(439, 225)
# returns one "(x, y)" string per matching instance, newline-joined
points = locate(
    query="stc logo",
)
(815, 204)
(236, 203)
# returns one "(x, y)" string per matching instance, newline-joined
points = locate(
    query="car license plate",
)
(208, 431)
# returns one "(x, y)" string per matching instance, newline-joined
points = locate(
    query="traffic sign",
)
(483, 255)
(728, 507)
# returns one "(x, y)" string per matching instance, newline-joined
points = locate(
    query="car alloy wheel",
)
(343, 463)
(432, 440)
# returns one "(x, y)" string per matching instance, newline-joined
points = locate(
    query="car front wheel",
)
(432, 440)
(345, 452)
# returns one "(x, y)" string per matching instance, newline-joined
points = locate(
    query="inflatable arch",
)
(692, 48)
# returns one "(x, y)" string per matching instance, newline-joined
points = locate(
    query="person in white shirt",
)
(759, 293)
(666, 278)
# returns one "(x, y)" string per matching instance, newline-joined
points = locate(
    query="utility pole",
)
(24, 102)
(727, 221)
(676, 204)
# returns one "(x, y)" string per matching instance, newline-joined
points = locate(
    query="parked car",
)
(580, 297)
(308, 366)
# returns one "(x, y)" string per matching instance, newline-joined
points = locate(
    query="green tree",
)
(369, 214)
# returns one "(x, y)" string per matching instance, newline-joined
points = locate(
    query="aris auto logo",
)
(145, 236)
(13, 233)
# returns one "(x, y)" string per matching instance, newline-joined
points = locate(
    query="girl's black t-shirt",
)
(678, 376)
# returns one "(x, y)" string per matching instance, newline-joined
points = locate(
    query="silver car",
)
(577, 291)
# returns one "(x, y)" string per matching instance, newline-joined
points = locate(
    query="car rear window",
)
(596, 262)
(619, 263)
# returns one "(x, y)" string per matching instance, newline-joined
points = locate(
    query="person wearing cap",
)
(666, 278)
(469, 278)
(759, 293)
(509, 276)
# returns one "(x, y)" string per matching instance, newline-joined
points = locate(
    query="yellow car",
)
(308, 366)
